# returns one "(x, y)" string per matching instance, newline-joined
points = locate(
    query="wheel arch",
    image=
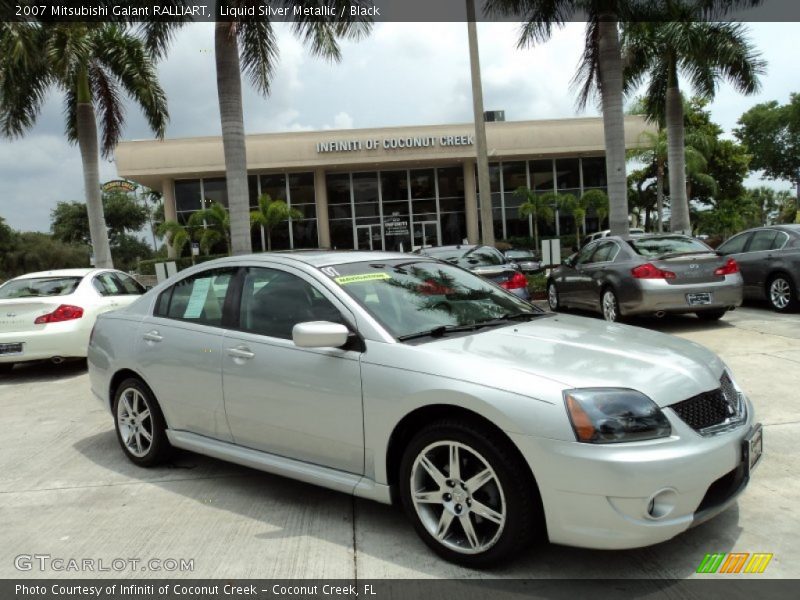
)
(415, 420)
(120, 376)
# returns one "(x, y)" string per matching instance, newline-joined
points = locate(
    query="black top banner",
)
(386, 10)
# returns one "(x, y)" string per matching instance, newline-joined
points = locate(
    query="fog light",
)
(661, 504)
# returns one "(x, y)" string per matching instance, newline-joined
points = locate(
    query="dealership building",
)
(385, 188)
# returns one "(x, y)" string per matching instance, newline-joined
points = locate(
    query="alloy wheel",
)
(135, 422)
(780, 293)
(552, 296)
(610, 311)
(458, 497)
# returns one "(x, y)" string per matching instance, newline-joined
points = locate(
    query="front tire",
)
(469, 494)
(781, 294)
(139, 423)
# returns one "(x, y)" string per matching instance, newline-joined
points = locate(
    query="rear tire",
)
(710, 315)
(781, 294)
(139, 423)
(609, 306)
(485, 513)
(553, 300)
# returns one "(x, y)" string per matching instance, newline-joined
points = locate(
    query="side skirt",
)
(339, 481)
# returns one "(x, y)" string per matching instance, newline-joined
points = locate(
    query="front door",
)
(426, 234)
(368, 237)
(300, 403)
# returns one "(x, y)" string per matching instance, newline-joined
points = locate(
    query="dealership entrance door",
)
(368, 237)
(426, 234)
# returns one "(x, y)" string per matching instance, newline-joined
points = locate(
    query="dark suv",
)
(769, 259)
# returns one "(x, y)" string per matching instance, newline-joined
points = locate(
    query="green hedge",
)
(148, 267)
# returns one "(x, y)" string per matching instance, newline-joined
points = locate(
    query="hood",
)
(583, 352)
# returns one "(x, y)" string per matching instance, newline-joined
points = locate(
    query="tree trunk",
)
(660, 194)
(269, 240)
(536, 233)
(229, 92)
(676, 158)
(484, 187)
(87, 142)
(610, 67)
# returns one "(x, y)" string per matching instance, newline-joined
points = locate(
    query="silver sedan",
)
(401, 378)
(654, 274)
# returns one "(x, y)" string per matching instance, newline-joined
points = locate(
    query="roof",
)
(60, 273)
(322, 258)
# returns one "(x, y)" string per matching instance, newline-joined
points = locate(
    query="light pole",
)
(484, 192)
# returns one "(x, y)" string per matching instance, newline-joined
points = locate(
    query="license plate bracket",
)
(699, 298)
(11, 348)
(753, 448)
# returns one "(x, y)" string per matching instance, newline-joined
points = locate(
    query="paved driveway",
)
(67, 490)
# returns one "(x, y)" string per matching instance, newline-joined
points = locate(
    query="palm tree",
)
(91, 64)
(270, 214)
(598, 200)
(249, 45)
(176, 235)
(536, 206)
(571, 205)
(600, 68)
(705, 53)
(212, 224)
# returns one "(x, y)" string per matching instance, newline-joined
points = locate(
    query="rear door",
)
(735, 248)
(179, 352)
(757, 261)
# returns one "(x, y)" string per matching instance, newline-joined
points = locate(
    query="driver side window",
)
(585, 254)
(274, 301)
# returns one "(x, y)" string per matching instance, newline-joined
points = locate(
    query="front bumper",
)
(655, 295)
(597, 496)
(68, 339)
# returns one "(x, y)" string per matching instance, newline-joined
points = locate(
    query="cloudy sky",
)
(404, 74)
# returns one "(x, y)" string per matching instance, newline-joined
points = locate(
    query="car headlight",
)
(612, 415)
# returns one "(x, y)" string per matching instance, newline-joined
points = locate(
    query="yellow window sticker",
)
(348, 279)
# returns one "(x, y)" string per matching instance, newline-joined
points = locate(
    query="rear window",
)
(656, 247)
(39, 286)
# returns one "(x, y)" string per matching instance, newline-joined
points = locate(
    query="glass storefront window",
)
(187, 195)
(451, 182)
(301, 188)
(423, 184)
(275, 185)
(514, 176)
(215, 191)
(394, 185)
(338, 185)
(594, 172)
(305, 234)
(568, 173)
(252, 192)
(541, 175)
(365, 188)
(341, 234)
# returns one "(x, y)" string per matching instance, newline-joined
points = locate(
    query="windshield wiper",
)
(520, 316)
(441, 330)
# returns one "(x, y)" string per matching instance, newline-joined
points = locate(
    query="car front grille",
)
(710, 409)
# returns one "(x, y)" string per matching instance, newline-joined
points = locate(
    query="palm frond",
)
(108, 106)
(587, 78)
(258, 53)
(321, 34)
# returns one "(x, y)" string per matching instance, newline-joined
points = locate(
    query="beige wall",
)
(150, 162)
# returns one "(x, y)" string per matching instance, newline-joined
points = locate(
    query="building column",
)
(471, 202)
(321, 198)
(170, 212)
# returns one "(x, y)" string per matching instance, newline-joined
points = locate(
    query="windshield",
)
(39, 286)
(519, 254)
(409, 297)
(656, 247)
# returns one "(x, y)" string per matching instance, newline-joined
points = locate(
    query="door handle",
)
(152, 336)
(241, 352)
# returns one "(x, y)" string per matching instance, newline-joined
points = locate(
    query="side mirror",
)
(320, 334)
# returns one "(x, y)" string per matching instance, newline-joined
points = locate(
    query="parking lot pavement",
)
(67, 490)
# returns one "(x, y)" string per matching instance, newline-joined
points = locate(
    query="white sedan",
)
(50, 314)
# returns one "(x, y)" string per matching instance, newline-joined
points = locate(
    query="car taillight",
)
(729, 268)
(517, 281)
(65, 312)
(650, 271)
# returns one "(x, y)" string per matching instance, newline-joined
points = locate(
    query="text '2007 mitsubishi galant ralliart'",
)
(397, 377)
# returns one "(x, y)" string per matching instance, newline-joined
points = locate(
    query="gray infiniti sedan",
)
(653, 274)
(400, 378)
(769, 258)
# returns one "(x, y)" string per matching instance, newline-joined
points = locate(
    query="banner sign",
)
(121, 185)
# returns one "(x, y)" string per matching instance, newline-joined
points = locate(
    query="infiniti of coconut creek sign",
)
(395, 143)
